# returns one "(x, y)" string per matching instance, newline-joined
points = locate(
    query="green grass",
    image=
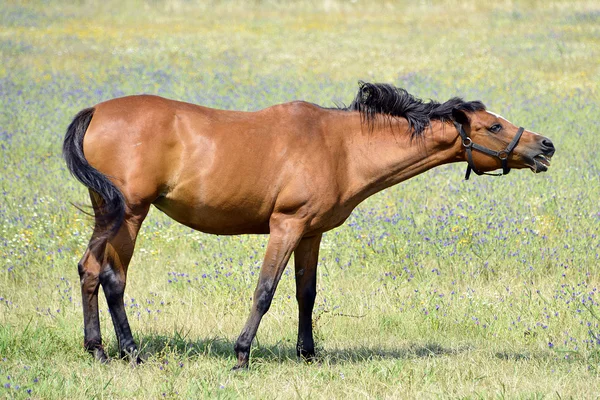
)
(435, 288)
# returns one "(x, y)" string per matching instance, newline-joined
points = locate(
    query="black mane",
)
(380, 98)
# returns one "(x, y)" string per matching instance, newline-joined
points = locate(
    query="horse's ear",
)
(460, 116)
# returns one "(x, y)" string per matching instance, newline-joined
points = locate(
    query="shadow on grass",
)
(513, 356)
(162, 345)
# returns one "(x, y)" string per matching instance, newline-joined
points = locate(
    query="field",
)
(435, 288)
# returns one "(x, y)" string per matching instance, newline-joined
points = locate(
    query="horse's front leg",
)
(306, 257)
(285, 234)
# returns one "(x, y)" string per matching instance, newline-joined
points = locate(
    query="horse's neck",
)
(385, 154)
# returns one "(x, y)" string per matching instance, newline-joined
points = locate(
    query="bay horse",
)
(293, 171)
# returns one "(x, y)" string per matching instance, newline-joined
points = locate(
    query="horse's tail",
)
(110, 212)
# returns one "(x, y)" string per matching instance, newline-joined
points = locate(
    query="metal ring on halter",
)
(503, 154)
(467, 142)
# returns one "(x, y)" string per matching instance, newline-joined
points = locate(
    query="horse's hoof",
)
(133, 357)
(100, 355)
(243, 360)
(307, 356)
(240, 367)
(135, 361)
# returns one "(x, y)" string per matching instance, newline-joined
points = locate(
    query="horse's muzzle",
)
(541, 161)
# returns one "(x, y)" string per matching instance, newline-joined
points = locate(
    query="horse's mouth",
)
(540, 163)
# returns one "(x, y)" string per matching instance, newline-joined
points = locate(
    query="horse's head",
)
(491, 142)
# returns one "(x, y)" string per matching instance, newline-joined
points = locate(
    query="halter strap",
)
(502, 155)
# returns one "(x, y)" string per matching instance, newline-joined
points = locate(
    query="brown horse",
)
(293, 171)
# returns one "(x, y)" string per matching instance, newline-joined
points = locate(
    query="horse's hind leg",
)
(89, 274)
(89, 271)
(113, 277)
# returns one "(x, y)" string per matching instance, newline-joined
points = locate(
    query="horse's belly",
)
(215, 220)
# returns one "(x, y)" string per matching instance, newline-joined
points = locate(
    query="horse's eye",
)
(495, 128)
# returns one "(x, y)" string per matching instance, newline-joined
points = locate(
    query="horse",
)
(292, 171)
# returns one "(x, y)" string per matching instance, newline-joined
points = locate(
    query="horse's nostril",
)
(548, 143)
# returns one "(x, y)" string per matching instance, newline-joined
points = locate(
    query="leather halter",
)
(502, 155)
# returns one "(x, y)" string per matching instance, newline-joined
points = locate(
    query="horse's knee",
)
(264, 297)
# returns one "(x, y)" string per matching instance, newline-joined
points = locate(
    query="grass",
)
(435, 288)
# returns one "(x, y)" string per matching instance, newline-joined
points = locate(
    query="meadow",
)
(435, 288)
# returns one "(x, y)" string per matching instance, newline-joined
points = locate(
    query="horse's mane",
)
(380, 98)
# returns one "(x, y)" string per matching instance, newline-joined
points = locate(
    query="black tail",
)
(111, 212)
